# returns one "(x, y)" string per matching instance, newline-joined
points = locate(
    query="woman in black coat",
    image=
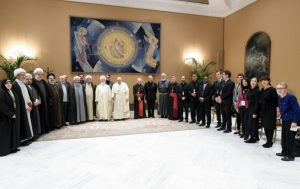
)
(8, 115)
(253, 111)
(269, 108)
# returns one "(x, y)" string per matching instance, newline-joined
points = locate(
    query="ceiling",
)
(215, 8)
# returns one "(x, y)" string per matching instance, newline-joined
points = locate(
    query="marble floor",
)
(190, 159)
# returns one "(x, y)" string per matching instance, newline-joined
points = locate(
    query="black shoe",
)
(202, 124)
(26, 143)
(197, 122)
(236, 132)
(285, 158)
(280, 154)
(218, 126)
(242, 136)
(180, 120)
(221, 129)
(186, 120)
(192, 121)
(14, 151)
(267, 145)
(252, 140)
(227, 131)
(207, 126)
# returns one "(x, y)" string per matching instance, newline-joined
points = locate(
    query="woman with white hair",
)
(289, 112)
(103, 100)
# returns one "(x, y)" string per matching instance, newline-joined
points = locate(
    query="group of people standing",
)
(31, 106)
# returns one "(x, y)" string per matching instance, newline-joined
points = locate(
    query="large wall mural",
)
(258, 55)
(109, 46)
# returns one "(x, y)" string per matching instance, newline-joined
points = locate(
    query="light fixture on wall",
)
(19, 49)
(192, 55)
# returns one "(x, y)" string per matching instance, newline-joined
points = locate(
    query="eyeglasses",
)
(279, 88)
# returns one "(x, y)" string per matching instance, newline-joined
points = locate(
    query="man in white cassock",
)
(103, 100)
(120, 96)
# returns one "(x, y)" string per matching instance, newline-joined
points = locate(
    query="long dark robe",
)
(268, 104)
(172, 102)
(139, 106)
(55, 109)
(252, 125)
(43, 92)
(25, 132)
(163, 98)
(73, 119)
(9, 131)
(35, 114)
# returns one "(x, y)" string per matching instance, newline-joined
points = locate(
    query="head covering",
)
(38, 70)
(28, 75)
(88, 76)
(3, 82)
(18, 71)
(76, 77)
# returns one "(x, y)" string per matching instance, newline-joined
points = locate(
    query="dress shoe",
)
(221, 129)
(218, 126)
(192, 121)
(197, 122)
(252, 140)
(26, 143)
(180, 120)
(207, 126)
(280, 154)
(227, 131)
(267, 145)
(236, 132)
(202, 124)
(186, 120)
(285, 158)
(14, 151)
(242, 136)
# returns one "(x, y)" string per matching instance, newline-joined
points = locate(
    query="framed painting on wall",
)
(110, 46)
(257, 59)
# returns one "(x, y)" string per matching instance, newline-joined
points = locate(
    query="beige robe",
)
(104, 102)
(89, 101)
(120, 94)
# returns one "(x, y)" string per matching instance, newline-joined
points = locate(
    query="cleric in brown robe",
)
(55, 109)
(139, 100)
(173, 99)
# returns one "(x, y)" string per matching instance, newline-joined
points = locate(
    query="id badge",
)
(243, 103)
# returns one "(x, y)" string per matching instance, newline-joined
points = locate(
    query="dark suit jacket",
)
(217, 87)
(227, 92)
(182, 88)
(150, 91)
(206, 93)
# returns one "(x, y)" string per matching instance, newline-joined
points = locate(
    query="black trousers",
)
(218, 112)
(150, 105)
(287, 139)
(195, 110)
(244, 119)
(238, 120)
(205, 112)
(269, 134)
(183, 106)
(226, 115)
(65, 112)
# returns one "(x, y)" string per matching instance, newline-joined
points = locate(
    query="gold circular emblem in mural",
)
(117, 47)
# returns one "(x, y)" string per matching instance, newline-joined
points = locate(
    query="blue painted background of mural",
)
(85, 36)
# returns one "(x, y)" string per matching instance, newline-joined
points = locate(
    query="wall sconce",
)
(17, 50)
(191, 61)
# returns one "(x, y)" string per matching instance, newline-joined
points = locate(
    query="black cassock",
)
(23, 124)
(204, 95)
(139, 106)
(173, 102)
(9, 130)
(72, 116)
(268, 104)
(35, 114)
(150, 92)
(43, 93)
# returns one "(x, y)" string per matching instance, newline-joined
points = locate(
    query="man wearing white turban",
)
(24, 121)
(103, 100)
(90, 97)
